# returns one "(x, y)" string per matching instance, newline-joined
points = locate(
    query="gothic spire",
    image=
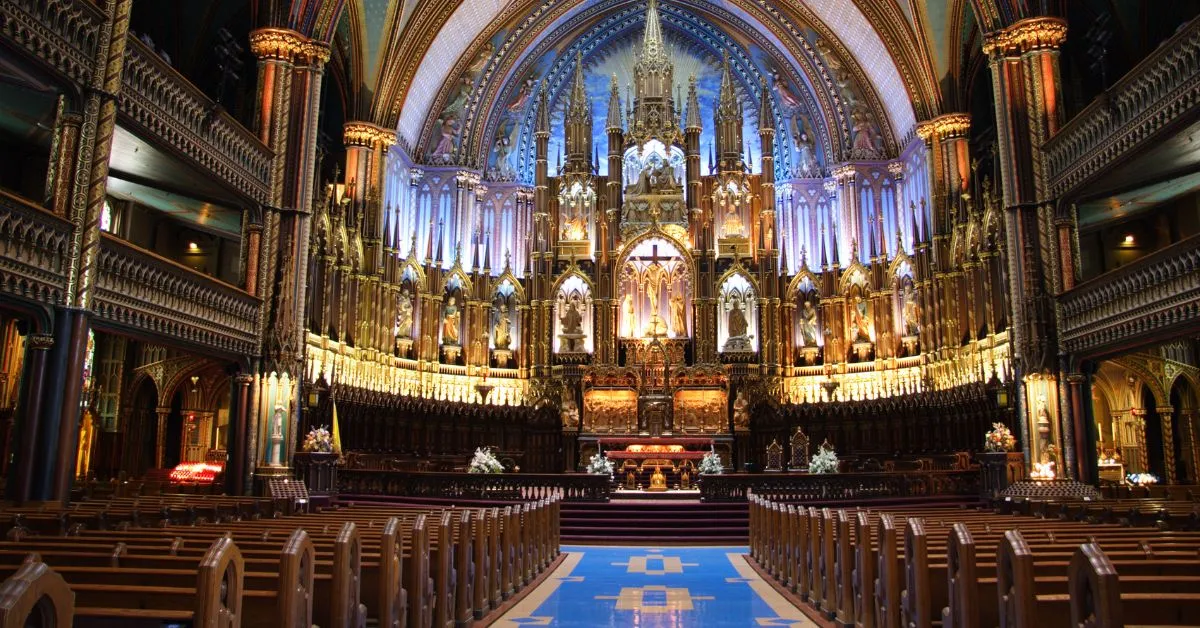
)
(693, 105)
(727, 101)
(652, 41)
(614, 106)
(542, 124)
(579, 107)
(766, 111)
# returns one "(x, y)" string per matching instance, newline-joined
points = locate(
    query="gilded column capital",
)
(415, 175)
(40, 342)
(896, 169)
(1028, 35)
(362, 134)
(313, 53)
(1165, 411)
(952, 125)
(844, 173)
(280, 44)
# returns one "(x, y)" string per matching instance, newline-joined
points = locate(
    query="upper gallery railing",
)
(578, 487)
(140, 290)
(33, 251)
(1134, 301)
(157, 99)
(164, 104)
(832, 487)
(1159, 90)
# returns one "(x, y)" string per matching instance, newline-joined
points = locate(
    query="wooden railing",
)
(806, 487)
(1160, 90)
(1156, 293)
(166, 106)
(161, 104)
(33, 251)
(577, 487)
(141, 291)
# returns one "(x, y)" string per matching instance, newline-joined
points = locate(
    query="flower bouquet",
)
(318, 440)
(485, 462)
(600, 465)
(711, 464)
(1141, 479)
(999, 439)
(826, 461)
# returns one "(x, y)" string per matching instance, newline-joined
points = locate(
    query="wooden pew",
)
(36, 596)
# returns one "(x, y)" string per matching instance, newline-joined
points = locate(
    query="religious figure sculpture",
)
(502, 332)
(656, 177)
(572, 326)
(678, 317)
(732, 226)
(741, 411)
(658, 481)
(569, 412)
(630, 323)
(404, 317)
(806, 154)
(450, 323)
(808, 325)
(737, 321)
(911, 324)
(275, 450)
(859, 325)
(655, 326)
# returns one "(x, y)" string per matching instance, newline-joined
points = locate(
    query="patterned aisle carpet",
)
(646, 587)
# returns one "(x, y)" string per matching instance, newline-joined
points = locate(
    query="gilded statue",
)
(450, 323)
(859, 324)
(502, 332)
(678, 317)
(630, 324)
(808, 325)
(741, 411)
(732, 226)
(658, 481)
(404, 317)
(738, 327)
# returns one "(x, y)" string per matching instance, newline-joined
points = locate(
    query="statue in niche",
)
(859, 323)
(738, 326)
(450, 323)
(657, 177)
(275, 451)
(655, 326)
(571, 319)
(678, 317)
(502, 332)
(630, 322)
(912, 324)
(808, 325)
(1043, 421)
(404, 317)
(731, 226)
(569, 412)
(741, 411)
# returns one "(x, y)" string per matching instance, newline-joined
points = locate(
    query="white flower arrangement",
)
(600, 465)
(1141, 479)
(485, 462)
(826, 461)
(711, 464)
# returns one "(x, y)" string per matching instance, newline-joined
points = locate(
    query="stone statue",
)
(741, 411)
(572, 321)
(808, 325)
(630, 323)
(502, 333)
(404, 317)
(678, 317)
(450, 323)
(275, 451)
(569, 412)
(738, 327)
(732, 226)
(912, 325)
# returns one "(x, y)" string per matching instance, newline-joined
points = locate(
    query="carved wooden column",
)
(92, 154)
(63, 147)
(1168, 443)
(1026, 85)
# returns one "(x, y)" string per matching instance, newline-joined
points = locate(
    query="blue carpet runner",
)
(647, 587)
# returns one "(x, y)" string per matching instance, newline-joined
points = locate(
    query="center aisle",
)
(671, 587)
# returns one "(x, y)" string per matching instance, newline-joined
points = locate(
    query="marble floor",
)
(648, 587)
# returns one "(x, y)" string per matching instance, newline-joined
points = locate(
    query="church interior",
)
(882, 309)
